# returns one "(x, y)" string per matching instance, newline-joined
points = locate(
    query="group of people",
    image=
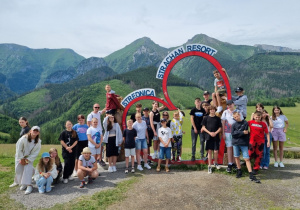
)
(211, 120)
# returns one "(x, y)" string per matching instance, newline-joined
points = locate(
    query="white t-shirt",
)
(95, 134)
(279, 122)
(227, 116)
(165, 134)
(95, 115)
(140, 129)
(87, 163)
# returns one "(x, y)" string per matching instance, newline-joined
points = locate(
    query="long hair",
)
(57, 160)
(273, 113)
(41, 166)
(259, 105)
(74, 133)
(24, 118)
(36, 140)
(267, 117)
(110, 124)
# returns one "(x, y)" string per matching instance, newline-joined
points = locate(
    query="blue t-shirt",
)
(81, 131)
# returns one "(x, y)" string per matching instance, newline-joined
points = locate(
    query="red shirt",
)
(258, 130)
(111, 101)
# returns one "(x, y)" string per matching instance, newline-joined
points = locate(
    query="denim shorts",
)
(141, 144)
(165, 151)
(244, 149)
(228, 139)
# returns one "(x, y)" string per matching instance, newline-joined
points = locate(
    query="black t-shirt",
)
(133, 117)
(24, 131)
(156, 116)
(198, 117)
(129, 138)
(209, 101)
(212, 124)
(66, 136)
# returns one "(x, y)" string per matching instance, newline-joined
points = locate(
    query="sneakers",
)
(71, 178)
(149, 162)
(219, 109)
(167, 169)
(13, 184)
(158, 169)
(154, 156)
(147, 166)
(65, 181)
(265, 167)
(217, 166)
(82, 184)
(74, 174)
(132, 170)
(276, 164)
(281, 165)
(239, 173)
(126, 171)
(255, 172)
(41, 191)
(139, 167)
(23, 187)
(177, 159)
(253, 178)
(234, 166)
(28, 190)
(110, 169)
(102, 163)
(209, 169)
(114, 169)
(229, 169)
(193, 158)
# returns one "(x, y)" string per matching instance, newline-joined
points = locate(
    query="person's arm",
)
(223, 130)
(252, 116)
(268, 138)
(161, 107)
(95, 167)
(193, 124)
(286, 126)
(225, 73)
(205, 130)
(242, 101)
(91, 140)
(35, 152)
(152, 124)
(80, 166)
(53, 172)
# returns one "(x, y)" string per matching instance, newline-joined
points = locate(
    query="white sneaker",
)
(13, 184)
(209, 169)
(114, 168)
(219, 109)
(147, 166)
(154, 156)
(23, 187)
(110, 169)
(65, 181)
(28, 190)
(139, 167)
(71, 178)
(74, 174)
(276, 164)
(281, 165)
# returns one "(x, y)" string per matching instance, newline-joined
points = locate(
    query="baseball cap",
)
(45, 155)
(146, 109)
(206, 93)
(35, 128)
(239, 89)
(163, 120)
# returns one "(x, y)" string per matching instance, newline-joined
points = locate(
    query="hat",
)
(146, 109)
(86, 150)
(163, 120)
(239, 89)
(206, 93)
(45, 155)
(35, 128)
(229, 102)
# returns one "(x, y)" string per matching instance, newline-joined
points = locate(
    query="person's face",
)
(165, 115)
(138, 118)
(138, 109)
(129, 123)
(212, 111)
(164, 124)
(259, 108)
(230, 106)
(217, 75)
(206, 97)
(81, 121)
(205, 107)
(146, 113)
(107, 88)
(95, 123)
(257, 118)
(86, 155)
(239, 93)
(155, 106)
(197, 102)
(264, 114)
(69, 125)
(277, 111)
(34, 133)
(237, 117)
(46, 160)
(53, 154)
(111, 118)
(22, 123)
(96, 107)
(176, 116)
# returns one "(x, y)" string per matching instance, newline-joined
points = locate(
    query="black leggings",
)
(69, 165)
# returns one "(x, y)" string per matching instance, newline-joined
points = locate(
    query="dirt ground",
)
(280, 188)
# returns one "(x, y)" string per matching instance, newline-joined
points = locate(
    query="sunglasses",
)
(97, 107)
(165, 115)
(36, 130)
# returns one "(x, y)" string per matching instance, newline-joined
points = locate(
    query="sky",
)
(98, 27)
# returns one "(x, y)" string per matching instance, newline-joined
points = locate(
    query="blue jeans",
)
(141, 144)
(244, 149)
(165, 151)
(43, 182)
(265, 161)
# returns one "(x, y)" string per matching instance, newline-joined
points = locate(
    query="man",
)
(97, 114)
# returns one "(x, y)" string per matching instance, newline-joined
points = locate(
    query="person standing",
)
(23, 122)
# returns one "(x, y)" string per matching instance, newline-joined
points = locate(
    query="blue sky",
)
(98, 28)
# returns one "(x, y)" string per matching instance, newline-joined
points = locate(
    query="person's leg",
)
(174, 147)
(127, 161)
(41, 183)
(258, 154)
(114, 160)
(236, 152)
(216, 152)
(48, 183)
(214, 98)
(230, 155)
(145, 153)
(80, 174)
(67, 167)
(72, 164)
(179, 145)
(275, 145)
(202, 142)
(194, 143)
(132, 161)
(267, 158)
(138, 156)
(281, 143)
(95, 174)
(209, 157)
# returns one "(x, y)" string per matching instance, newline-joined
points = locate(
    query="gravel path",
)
(186, 190)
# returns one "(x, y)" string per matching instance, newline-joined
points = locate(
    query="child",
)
(45, 172)
(220, 89)
(176, 128)
(240, 141)
(258, 129)
(280, 125)
(95, 139)
(212, 125)
(227, 122)
(112, 103)
(56, 160)
(240, 101)
(266, 156)
(146, 118)
(138, 109)
(259, 107)
(87, 166)
(165, 136)
(68, 139)
(129, 136)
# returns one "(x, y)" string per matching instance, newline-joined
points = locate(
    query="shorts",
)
(129, 152)
(80, 145)
(111, 111)
(150, 135)
(165, 152)
(221, 91)
(228, 139)
(111, 148)
(244, 149)
(141, 144)
(278, 134)
(155, 138)
(212, 143)
(95, 151)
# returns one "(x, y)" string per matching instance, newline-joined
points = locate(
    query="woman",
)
(154, 122)
(27, 149)
(166, 116)
(113, 139)
(24, 125)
